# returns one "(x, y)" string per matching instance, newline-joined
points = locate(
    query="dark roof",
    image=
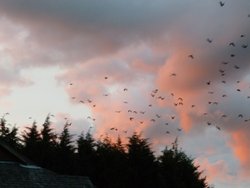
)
(16, 175)
(16, 171)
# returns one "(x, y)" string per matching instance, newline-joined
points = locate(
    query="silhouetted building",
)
(16, 171)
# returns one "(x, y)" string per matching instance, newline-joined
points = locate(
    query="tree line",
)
(109, 164)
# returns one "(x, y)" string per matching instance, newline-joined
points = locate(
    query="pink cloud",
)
(240, 146)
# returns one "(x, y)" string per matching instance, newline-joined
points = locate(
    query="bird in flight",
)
(236, 67)
(222, 3)
(244, 45)
(209, 40)
(225, 63)
(240, 116)
(172, 117)
(191, 56)
(232, 44)
(218, 128)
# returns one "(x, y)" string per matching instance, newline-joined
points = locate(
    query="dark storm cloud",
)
(86, 28)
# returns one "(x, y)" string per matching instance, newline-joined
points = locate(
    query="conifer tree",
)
(86, 155)
(8, 135)
(48, 144)
(178, 170)
(65, 151)
(142, 162)
(31, 141)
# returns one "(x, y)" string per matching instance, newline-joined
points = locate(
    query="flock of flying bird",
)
(149, 115)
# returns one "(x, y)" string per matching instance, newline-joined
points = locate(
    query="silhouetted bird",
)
(240, 116)
(222, 3)
(236, 67)
(209, 40)
(218, 128)
(153, 120)
(232, 44)
(244, 45)
(191, 56)
(157, 115)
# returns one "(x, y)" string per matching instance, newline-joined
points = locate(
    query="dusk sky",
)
(165, 68)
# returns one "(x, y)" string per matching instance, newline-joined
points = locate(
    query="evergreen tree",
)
(8, 135)
(86, 154)
(48, 145)
(111, 164)
(48, 137)
(65, 151)
(178, 170)
(31, 140)
(142, 162)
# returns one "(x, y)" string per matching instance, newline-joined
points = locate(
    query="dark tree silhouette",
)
(48, 145)
(9, 135)
(31, 141)
(178, 170)
(141, 162)
(86, 154)
(65, 151)
(111, 164)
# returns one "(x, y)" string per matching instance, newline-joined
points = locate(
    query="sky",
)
(162, 68)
